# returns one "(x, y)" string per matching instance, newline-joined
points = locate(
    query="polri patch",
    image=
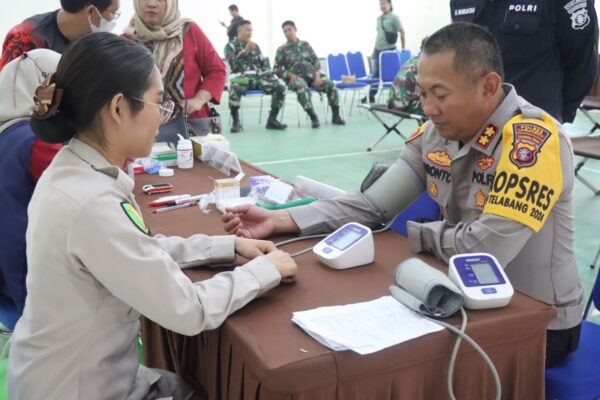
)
(485, 163)
(528, 141)
(480, 199)
(135, 217)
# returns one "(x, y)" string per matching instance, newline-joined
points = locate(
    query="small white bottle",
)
(185, 153)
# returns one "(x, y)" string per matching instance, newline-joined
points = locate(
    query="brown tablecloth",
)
(258, 353)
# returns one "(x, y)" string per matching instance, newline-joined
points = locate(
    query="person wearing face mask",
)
(56, 29)
(192, 71)
(24, 158)
(94, 265)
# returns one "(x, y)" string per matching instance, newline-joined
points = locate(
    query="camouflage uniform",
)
(300, 59)
(251, 71)
(404, 95)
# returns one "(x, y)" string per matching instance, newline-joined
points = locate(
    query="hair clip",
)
(47, 98)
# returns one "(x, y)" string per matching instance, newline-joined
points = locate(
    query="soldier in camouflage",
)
(404, 95)
(297, 64)
(250, 70)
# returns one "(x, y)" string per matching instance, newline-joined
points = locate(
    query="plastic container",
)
(185, 153)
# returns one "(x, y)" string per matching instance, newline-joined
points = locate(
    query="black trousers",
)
(560, 343)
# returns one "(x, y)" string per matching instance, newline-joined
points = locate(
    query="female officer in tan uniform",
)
(93, 265)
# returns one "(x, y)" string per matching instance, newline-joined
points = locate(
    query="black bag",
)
(185, 127)
(390, 37)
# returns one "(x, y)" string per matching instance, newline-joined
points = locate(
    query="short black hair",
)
(74, 6)
(243, 22)
(290, 23)
(233, 7)
(390, 3)
(94, 69)
(476, 52)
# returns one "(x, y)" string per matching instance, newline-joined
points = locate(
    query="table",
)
(258, 353)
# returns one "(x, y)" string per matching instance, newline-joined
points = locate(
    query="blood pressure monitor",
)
(481, 279)
(350, 246)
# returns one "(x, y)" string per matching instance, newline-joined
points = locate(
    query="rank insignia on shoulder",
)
(134, 217)
(487, 135)
(528, 141)
(417, 133)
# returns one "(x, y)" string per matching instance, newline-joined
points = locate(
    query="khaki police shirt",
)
(460, 178)
(93, 270)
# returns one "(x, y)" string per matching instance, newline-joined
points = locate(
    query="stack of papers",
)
(364, 327)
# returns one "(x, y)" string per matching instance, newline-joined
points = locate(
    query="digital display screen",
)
(484, 273)
(346, 240)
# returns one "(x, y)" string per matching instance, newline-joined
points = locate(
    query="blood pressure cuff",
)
(377, 169)
(425, 289)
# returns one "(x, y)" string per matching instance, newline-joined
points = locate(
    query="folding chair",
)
(337, 67)
(577, 377)
(357, 67)
(375, 109)
(389, 65)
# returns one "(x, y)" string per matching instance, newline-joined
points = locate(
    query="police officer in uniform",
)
(500, 169)
(297, 64)
(250, 70)
(94, 266)
(549, 47)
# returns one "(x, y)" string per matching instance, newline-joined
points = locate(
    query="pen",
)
(176, 207)
(162, 201)
(185, 200)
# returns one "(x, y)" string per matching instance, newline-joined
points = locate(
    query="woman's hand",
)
(252, 248)
(197, 102)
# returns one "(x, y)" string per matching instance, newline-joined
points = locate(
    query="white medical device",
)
(481, 279)
(350, 246)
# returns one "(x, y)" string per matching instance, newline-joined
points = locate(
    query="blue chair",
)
(337, 66)
(357, 67)
(577, 377)
(423, 209)
(404, 55)
(389, 65)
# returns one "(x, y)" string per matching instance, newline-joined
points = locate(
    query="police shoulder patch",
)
(134, 217)
(417, 133)
(528, 179)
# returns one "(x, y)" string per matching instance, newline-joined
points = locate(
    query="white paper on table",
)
(278, 192)
(364, 327)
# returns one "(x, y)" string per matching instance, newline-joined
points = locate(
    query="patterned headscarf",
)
(19, 79)
(165, 40)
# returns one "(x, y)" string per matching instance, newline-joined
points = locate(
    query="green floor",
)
(336, 155)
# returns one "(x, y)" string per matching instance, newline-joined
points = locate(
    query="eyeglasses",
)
(165, 108)
(116, 14)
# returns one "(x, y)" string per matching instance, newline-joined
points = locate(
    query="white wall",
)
(329, 25)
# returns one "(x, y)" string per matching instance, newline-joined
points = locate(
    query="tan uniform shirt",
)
(529, 228)
(93, 269)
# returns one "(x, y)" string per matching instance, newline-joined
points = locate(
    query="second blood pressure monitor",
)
(481, 279)
(350, 246)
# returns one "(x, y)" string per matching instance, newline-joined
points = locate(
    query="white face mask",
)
(105, 25)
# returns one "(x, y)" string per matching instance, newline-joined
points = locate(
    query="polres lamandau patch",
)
(135, 217)
(579, 13)
(528, 141)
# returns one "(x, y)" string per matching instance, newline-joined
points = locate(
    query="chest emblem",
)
(485, 163)
(440, 158)
(480, 198)
(433, 189)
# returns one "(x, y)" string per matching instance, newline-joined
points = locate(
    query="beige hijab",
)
(165, 40)
(19, 79)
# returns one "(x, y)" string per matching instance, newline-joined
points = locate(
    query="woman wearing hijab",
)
(192, 71)
(24, 158)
